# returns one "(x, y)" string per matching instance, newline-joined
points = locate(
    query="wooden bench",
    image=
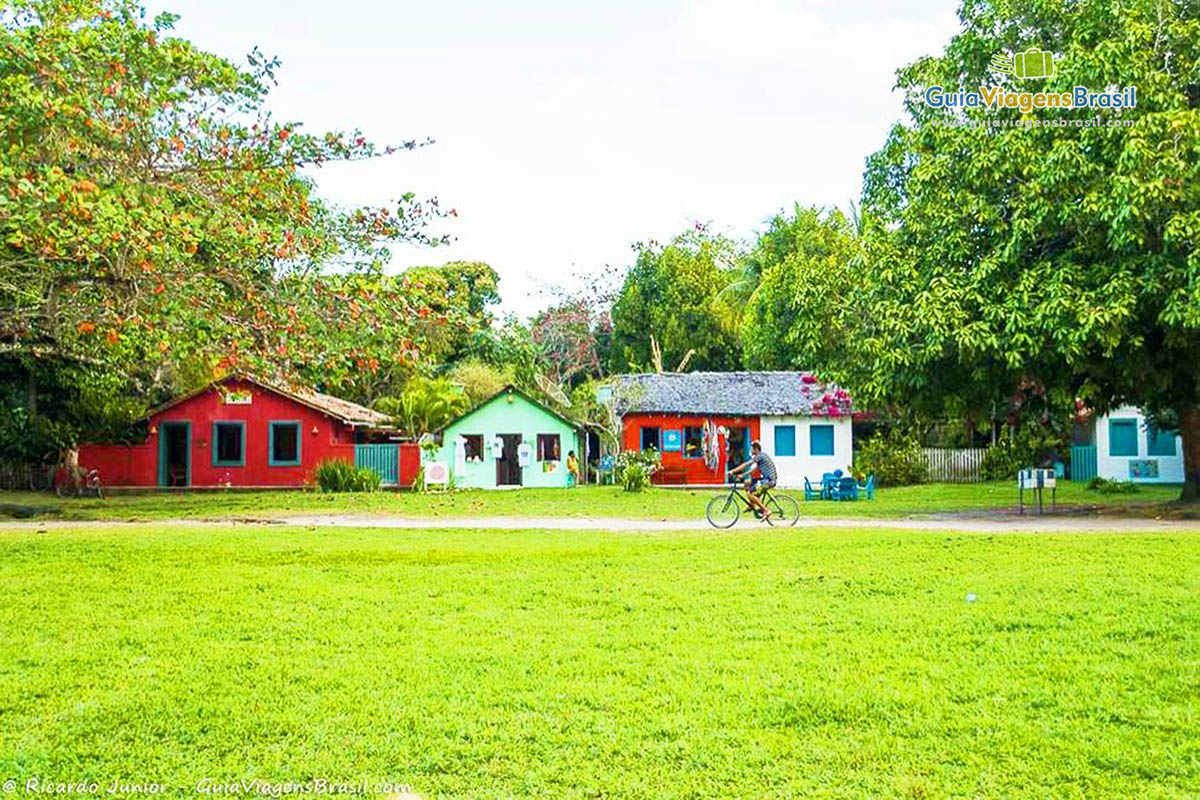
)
(670, 476)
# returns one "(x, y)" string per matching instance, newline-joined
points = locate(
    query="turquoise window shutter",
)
(284, 443)
(229, 444)
(785, 440)
(820, 440)
(1122, 437)
(1159, 442)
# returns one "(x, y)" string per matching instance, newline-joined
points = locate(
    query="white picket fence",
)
(954, 465)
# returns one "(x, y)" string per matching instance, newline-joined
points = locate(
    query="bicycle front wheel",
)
(723, 511)
(41, 478)
(784, 510)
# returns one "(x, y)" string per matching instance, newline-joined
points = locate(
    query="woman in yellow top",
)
(573, 468)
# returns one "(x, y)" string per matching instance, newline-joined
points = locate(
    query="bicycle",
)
(78, 482)
(41, 477)
(724, 510)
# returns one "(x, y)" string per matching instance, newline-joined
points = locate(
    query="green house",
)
(510, 439)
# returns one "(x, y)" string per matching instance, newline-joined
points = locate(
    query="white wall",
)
(794, 469)
(1170, 469)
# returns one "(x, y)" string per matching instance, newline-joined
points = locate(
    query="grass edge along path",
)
(582, 502)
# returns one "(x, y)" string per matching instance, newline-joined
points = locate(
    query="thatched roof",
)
(724, 393)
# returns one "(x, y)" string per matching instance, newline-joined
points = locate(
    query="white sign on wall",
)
(238, 398)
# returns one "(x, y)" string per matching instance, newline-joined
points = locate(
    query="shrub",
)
(894, 457)
(335, 475)
(1105, 486)
(1029, 446)
(634, 468)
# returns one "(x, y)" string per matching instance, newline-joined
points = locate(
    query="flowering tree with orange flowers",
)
(152, 211)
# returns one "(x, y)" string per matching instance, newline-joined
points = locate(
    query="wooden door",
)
(175, 454)
(508, 467)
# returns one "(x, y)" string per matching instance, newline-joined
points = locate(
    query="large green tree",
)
(153, 212)
(804, 267)
(1061, 255)
(672, 293)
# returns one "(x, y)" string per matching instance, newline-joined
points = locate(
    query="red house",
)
(244, 432)
(702, 423)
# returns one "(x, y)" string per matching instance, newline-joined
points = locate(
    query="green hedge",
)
(336, 475)
(895, 458)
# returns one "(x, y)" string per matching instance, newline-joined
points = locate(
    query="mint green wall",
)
(499, 416)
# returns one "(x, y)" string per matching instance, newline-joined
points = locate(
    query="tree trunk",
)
(1189, 428)
(31, 391)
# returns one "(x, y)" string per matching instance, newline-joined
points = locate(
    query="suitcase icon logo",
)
(1033, 63)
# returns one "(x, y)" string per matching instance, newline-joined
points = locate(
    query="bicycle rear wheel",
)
(723, 511)
(41, 477)
(785, 511)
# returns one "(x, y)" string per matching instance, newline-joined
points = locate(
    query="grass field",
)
(782, 662)
(591, 501)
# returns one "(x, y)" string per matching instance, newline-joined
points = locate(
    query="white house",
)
(1128, 448)
(807, 447)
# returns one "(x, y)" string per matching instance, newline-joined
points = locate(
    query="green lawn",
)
(687, 664)
(591, 501)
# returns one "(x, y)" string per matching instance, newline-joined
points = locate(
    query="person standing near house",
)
(573, 467)
(756, 486)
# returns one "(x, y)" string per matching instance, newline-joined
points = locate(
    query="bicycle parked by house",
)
(73, 481)
(724, 510)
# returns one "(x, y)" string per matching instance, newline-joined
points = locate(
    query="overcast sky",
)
(566, 131)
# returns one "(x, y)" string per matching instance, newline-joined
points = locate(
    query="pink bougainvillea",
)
(833, 403)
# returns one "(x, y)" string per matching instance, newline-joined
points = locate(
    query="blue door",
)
(383, 459)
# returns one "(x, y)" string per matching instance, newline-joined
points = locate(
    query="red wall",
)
(137, 465)
(410, 462)
(122, 465)
(697, 472)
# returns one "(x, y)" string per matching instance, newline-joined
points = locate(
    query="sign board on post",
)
(1030, 478)
(1036, 480)
(436, 474)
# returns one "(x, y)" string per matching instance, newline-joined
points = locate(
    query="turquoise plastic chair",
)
(811, 492)
(828, 481)
(846, 489)
(607, 470)
(868, 488)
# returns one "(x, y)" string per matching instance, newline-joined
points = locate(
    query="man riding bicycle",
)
(756, 487)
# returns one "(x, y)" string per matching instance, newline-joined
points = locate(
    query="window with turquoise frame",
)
(284, 444)
(693, 442)
(651, 437)
(820, 440)
(1122, 437)
(1160, 442)
(785, 440)
(229, 444)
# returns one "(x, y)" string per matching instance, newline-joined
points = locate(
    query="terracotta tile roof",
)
(335, 407)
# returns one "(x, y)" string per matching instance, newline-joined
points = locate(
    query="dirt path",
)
(974, 524)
